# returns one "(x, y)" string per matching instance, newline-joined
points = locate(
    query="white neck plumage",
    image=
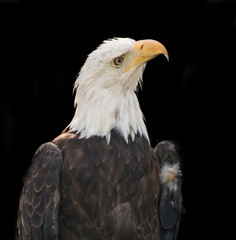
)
(98, 111)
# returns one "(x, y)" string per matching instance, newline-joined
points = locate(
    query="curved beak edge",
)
(147, 50)
(150, 49)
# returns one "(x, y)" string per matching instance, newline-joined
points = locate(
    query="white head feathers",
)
(105, 94)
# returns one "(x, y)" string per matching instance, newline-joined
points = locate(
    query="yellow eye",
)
(118, 61)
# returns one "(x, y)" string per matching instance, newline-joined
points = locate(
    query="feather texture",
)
(39, 203)
(170, 201)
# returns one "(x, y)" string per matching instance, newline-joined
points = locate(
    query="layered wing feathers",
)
(39, 202)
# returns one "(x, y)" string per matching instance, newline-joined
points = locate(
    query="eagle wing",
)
(170, 200)
(39, 203)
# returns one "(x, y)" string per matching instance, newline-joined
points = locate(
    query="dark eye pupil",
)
(118, 61)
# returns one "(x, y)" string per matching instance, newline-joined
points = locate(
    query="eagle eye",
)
(118, 61)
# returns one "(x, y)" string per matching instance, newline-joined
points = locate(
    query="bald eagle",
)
(100, 178)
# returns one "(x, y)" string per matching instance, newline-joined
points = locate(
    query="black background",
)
(190, 100)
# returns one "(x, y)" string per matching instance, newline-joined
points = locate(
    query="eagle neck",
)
(98, 112)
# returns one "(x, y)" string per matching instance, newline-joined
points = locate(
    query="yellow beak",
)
(147, 50)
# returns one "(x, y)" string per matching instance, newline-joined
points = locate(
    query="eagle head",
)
(105, 88)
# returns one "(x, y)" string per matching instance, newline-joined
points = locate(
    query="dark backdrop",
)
(189, 100)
